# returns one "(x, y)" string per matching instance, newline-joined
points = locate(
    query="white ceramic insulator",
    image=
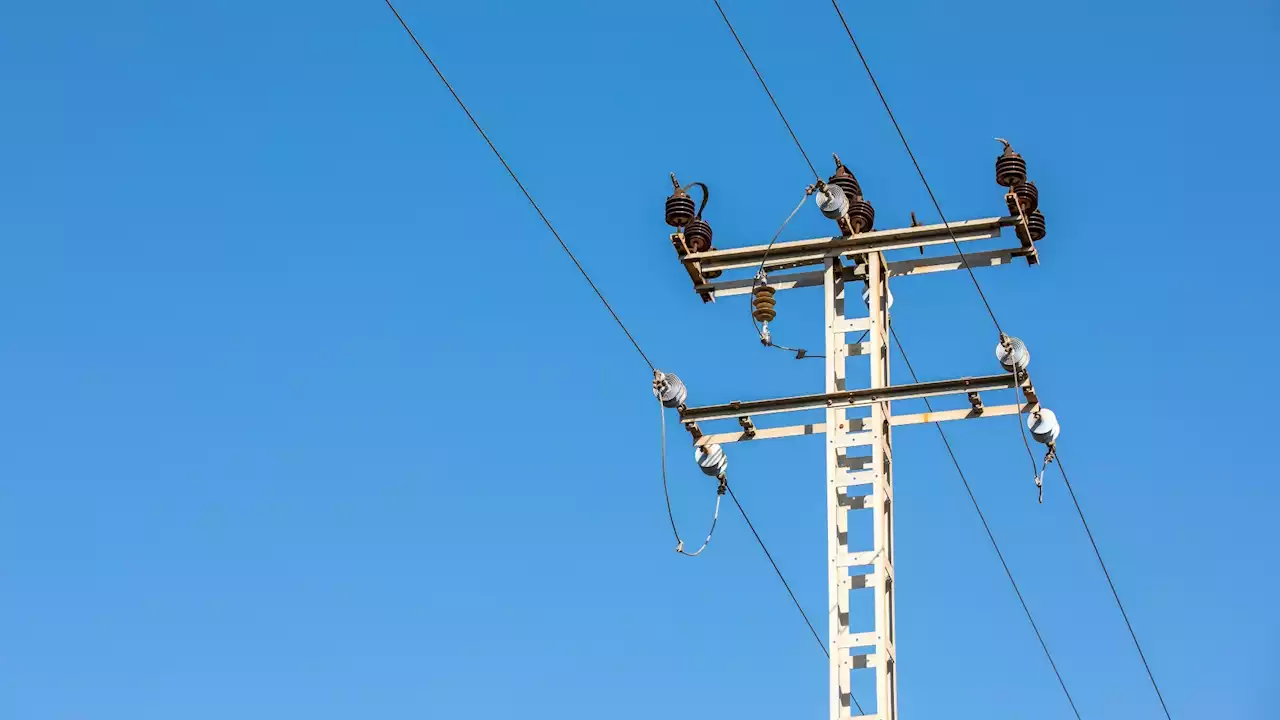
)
(832, 202)
(711, 459)
(1044, 426)
(1016, 355)
(670, 390)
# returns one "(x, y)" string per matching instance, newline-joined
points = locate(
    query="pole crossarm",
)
(813, 251)
(897, 420)
(901, 268)
(847, 398)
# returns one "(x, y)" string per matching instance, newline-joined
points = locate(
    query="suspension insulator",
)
(1014, 355)
(711, 459)
(1035, 223)
(669, 389)
(1011, 169)
(844, 179)
(697, 235)
(1044, 427)
(762, 303)
(1027, 196)
(832, 202)
(861, 215)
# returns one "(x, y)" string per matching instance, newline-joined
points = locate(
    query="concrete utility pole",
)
(859, 448)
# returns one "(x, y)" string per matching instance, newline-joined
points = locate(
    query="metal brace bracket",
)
(1030, 392)
(976, 401)
(748, 428)
(694, 430)
(692, 267)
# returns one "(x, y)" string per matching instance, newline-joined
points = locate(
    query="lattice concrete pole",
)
(882, 492)
(837, 353)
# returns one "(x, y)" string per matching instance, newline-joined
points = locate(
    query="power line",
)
(765, 85)
(817, 638)
(835, 4)
(941, 432)
(990, 535)
(512, 173)
(1112, 585)
(936, 205)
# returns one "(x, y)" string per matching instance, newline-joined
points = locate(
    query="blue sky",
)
(305, 414)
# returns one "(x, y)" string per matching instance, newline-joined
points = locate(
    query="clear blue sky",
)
(304, 414)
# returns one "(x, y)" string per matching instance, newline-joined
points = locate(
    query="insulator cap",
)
(1035, 223)
(1044, 426)
(1028, 196)
(669, 389)
(697, 235)
(866, 296)
(832, 202)
(1015, 355)
(862, 217)
(1011, 169)
(711, 459)
(679, 209)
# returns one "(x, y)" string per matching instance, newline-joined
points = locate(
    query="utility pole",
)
(859, 420)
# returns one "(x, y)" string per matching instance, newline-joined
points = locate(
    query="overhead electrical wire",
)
(985, 526)
(816, 637)
(936, 205)
(765, 85)
(630, 337)
(990, 311)
(902, 136)
(527, 195)
(1114, 593)
(608, 307)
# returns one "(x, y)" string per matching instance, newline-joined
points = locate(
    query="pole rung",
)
(850, 479)
(848, 325)
(857, 559)
(853, 439)
(844, 641)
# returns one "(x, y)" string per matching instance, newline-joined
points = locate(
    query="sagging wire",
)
(1022, 426)
(666, 493)
(762, 304)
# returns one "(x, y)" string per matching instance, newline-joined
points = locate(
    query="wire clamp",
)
(1048, 458)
